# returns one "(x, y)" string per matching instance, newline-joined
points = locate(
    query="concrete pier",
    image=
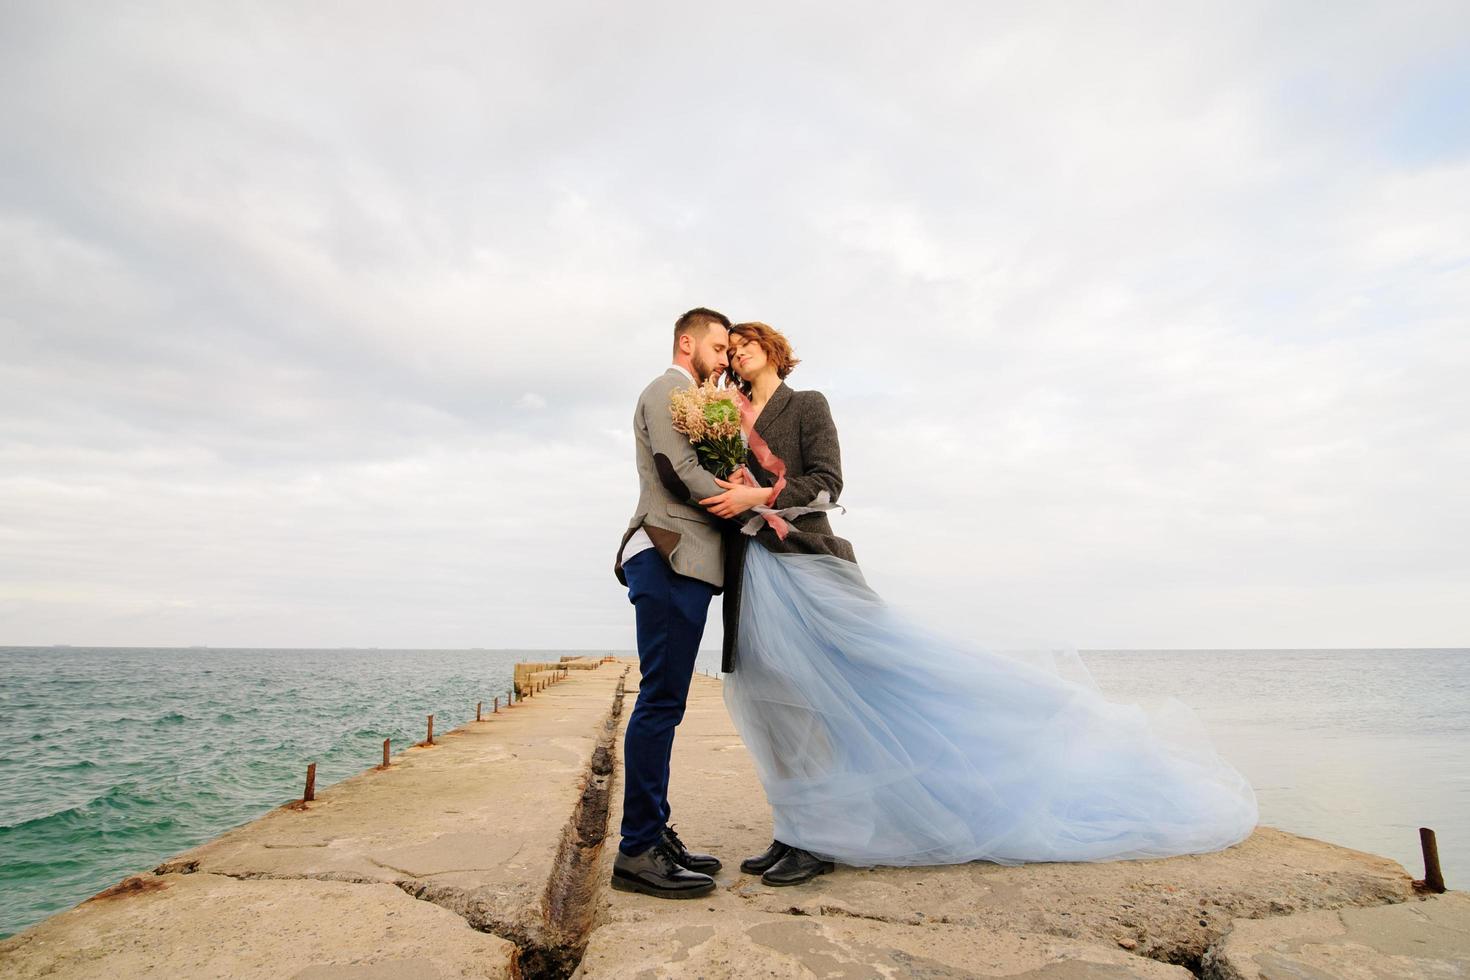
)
(488, 855)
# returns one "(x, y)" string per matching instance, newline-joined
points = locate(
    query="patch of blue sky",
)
(1427, 119)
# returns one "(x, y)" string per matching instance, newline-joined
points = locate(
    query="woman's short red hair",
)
(772, 341)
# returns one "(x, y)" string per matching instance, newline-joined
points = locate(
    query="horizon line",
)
(710, 650)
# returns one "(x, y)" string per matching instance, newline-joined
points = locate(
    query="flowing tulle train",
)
(879, 742)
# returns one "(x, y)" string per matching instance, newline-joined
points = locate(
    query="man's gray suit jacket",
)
(671, 483)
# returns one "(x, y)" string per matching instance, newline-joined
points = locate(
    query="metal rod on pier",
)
(430, 739)
(1433, 877)
(478, 706)
(385, 753)
(310, 784)
(496, 709)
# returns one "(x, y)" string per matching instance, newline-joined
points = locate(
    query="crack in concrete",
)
(1172, 955)
(849, 913)
(570, 898)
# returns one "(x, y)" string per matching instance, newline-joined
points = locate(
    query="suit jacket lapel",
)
(780, 398)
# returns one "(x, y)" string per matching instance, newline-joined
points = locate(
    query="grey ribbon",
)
(822, 502)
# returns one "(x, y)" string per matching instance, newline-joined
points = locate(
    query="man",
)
(672, 561)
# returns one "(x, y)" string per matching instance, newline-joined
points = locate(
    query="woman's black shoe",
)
(762, 863)
(655, 872)
(795, 867)
(705, 863)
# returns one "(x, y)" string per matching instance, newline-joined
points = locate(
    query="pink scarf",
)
(769, 461)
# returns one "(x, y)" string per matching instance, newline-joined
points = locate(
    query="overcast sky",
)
(1143, 325)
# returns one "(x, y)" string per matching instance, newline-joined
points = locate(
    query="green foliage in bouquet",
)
(710, 418)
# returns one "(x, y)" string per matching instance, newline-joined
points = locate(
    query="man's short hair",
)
(697, 322)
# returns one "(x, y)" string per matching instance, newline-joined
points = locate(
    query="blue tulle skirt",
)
(879, 742)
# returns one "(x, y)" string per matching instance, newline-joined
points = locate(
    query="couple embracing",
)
(876, 741)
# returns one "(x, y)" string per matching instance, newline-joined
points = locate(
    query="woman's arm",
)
(821, 455)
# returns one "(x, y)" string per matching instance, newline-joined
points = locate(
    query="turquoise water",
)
(118, 758)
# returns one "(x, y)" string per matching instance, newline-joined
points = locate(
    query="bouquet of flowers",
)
(710, 417)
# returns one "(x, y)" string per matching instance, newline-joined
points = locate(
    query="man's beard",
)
(702, 370)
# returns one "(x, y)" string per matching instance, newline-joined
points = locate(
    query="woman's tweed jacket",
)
(798, 427)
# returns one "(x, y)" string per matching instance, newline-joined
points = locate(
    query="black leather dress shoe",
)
(795, 867)
(656, 872)
(761, 863)
(706, 863)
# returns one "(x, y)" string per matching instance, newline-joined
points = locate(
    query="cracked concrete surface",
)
(205, 925)
(1419, 938)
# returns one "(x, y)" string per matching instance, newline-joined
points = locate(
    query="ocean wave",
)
(76, 765)
(118, 799)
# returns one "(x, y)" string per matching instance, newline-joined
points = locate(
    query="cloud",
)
(1141, 326)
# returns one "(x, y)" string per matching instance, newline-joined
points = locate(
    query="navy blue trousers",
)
(670, 610)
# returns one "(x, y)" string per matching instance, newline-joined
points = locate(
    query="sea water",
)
(115, 759)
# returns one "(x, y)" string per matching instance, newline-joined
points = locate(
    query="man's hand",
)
(735, 500)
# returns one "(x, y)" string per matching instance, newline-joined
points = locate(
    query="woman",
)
(878, 742)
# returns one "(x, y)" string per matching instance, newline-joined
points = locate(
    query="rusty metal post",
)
(310, 783)
(1433, 876)
(496, 709)
(430, 739)
(385, 753)
(478, 706)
